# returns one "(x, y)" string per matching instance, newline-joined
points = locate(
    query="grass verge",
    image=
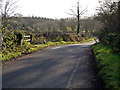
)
(108, 65)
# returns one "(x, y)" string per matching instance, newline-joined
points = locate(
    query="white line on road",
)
(72, 75)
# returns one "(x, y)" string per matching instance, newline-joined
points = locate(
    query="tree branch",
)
(11, 6)
(83, 11)
(73, 12)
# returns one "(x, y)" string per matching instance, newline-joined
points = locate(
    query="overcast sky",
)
(54, 8)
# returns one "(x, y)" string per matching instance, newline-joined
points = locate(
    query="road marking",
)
(72, 75)
(56, 47)
(59, 47)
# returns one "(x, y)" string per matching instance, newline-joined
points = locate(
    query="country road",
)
(67, 66)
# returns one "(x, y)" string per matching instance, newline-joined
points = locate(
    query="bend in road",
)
(58, 67)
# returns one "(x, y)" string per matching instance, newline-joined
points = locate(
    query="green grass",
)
(28, 48)
(91, 39)
(108, 65)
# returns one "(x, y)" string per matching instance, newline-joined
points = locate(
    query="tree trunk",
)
(78, 27)
(78, 17)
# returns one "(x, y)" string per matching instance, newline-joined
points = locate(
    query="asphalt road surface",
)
(66, 66)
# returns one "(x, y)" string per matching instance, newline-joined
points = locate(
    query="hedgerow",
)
(108, 65)
(11, 48)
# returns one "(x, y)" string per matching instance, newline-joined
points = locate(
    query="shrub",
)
(108, 65)
(110, 39)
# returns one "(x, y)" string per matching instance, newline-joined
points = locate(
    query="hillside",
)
(39, 24)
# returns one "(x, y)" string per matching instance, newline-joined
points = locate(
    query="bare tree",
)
(78, 15)
(8, 8)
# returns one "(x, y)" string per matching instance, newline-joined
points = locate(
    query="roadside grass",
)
(108, 65)
(91, 39)
(29, 48)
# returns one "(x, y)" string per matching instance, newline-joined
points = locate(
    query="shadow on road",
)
(52, 68)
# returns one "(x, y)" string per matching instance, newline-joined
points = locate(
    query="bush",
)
(56, 37)
(10, 46)
(108, 65)
(102, 33)
(110, 39)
